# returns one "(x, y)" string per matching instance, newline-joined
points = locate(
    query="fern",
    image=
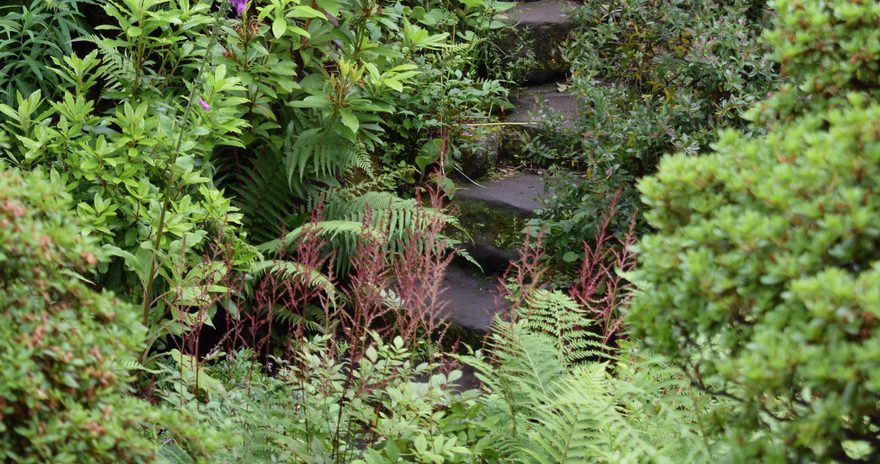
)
(395, 216)
(262, 195)
(333, 230)
(559, 316)
(382, 216)
(525, 370)
(131, 364)
(565, 430)
(318, 152)
(270, 197)
(118, 68)
(268, 421)
(631, 408)
(289, 269)
(361, 160)
(528, 362)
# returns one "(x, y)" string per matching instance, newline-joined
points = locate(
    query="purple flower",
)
(240, 6)
(205, 105)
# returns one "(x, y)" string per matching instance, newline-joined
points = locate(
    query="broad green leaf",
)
(349, 119)
(279, 26)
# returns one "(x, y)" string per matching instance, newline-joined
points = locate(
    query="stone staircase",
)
(543, 27)
(495, 212)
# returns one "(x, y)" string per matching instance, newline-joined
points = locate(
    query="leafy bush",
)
(574, 206)
(321, 405)
(136, 161)
(761, 279)
(845, 56)
(63, 394)
(650, 78)
(33, 36)
(656, 77)
(758, 279)
(829, 49)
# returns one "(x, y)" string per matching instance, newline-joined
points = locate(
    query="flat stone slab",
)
(472, 299)
(543, 28)
(540, 12)
(528, 103)
(518, 193)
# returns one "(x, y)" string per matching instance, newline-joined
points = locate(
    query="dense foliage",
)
(650, 78)
(664, 76)
(760, 279)
(64, 395)
(225, 228)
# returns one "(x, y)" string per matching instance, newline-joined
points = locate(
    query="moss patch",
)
(501, 228)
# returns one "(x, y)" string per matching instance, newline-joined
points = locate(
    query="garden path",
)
(492, 210)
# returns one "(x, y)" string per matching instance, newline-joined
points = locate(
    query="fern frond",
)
(395, 216)
(118, 68)
(288, 269)
(262, 195)
(320, 152)
(131, 364)
(637, 409)
(361, 160)
(382, 216)
(566, 427)
(558, 315)
(329, 229)
(342, 236)
(529, 364)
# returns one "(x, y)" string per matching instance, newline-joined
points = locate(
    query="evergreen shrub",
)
(762, 279)
(63, 346)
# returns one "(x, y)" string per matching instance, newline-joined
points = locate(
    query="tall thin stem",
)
(166, 202)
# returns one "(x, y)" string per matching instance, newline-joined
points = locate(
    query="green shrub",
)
(650, 78)
(761, 280)
(576, 205)
(828, 49)
(63, 391)
(655, 77)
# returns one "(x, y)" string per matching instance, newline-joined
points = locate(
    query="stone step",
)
(504, 143)
(543, 27)
(517, 194)
(495, 215)
(529, 102)
(471, 299)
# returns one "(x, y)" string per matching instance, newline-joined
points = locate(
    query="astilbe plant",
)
(418, 271)
(600, 288)
(524, 275)
(390, 293)
(298, 289)
(392, 289)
